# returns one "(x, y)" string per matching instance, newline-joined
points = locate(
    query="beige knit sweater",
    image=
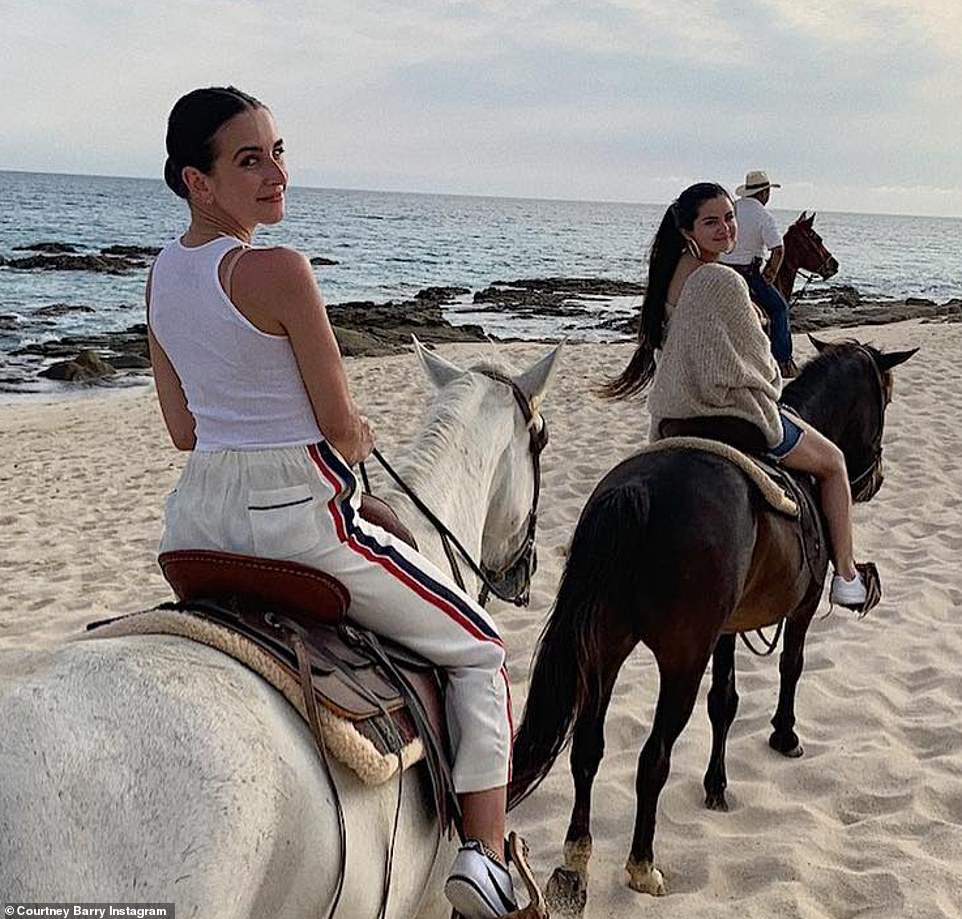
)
(715, 357)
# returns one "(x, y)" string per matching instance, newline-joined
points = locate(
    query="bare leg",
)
(818, 456)
(483, 816)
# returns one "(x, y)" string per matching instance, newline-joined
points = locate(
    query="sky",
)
(852, 105)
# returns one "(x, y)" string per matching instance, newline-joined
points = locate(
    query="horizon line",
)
(450, 194)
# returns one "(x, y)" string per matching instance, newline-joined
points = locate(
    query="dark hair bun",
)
(174, 179)
(191, 126)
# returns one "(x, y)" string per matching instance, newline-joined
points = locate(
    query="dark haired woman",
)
(251, 381)
(713, 359)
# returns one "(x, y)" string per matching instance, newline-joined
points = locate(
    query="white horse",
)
(153, 769)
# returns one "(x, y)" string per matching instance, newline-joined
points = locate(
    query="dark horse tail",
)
(565, 678)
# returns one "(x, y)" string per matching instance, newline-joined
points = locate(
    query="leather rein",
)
(808, 277)
(521, 567)
(867, 476)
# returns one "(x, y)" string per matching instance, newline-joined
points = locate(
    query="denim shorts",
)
(792, 433)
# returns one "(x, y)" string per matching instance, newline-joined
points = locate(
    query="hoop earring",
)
(694, 250)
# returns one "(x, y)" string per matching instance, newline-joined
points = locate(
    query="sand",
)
(868, 823)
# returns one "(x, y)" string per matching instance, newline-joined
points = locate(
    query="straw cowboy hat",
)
(755, 181)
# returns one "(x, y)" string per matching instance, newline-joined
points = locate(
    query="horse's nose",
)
(831, 267)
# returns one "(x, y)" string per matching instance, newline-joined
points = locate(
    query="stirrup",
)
(873, 589)
(516, 851)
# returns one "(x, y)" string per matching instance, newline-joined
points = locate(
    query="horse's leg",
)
(783, 738)
(676, 699)
(587, 750)
(722, 706)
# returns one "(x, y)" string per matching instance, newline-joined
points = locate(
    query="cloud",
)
(603, 98)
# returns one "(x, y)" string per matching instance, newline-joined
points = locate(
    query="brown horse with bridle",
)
(803, 251)
(677, 549)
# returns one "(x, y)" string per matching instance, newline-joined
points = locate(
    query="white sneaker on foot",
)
(478, 887)
(851, 594)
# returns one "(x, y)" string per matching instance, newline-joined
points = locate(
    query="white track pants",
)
(301, 504)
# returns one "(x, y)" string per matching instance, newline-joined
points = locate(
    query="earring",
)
(693, 248)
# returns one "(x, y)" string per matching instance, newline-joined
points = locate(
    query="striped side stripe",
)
(342, 481)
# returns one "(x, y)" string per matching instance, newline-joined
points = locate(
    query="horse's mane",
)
(829, 368)
(451, 412)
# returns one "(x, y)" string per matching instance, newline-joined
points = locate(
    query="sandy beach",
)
(867, 823)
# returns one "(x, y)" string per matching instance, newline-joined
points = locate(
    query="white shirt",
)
(243, 385)
(757, 232)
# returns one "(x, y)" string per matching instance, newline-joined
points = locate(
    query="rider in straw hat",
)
(758, 233)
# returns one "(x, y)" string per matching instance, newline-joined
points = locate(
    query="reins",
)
(538, 440)
(809, 277)
(770, 646)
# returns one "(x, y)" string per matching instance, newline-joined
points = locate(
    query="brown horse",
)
(677, 550)
(803, 249)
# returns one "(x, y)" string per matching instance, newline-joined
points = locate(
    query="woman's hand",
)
(366, 439)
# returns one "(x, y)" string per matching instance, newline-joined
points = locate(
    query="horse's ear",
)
(534, 381)
(801, 217)
(820, 345)
(894, 358)
(439, 370)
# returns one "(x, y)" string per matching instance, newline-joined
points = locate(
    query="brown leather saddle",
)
(298, 615)
(748, 438)
(810, 526)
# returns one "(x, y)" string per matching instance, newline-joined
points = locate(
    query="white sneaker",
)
(850, 594)
(478, 887)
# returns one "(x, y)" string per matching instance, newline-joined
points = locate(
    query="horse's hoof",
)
(577, 856)
(790, 748)
(644, 877)
(716, 802)
(566, 894)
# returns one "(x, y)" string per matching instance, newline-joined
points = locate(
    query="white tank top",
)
(243, 386)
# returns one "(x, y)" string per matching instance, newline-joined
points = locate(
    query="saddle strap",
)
(442, 779)
(310, 704)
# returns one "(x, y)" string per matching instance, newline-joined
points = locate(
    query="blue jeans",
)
(773, 303)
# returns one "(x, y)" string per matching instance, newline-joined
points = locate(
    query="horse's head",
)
(843, 392)
(807, 250)
(510, 421)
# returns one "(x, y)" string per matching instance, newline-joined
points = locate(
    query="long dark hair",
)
(666, 250)
(191, 126)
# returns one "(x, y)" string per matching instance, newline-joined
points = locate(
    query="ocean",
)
(390, 245)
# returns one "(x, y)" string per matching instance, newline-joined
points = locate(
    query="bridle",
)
(862, 483)
(809, 276)
(512, 582)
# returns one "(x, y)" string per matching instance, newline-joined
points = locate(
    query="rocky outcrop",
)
(51, 248)
(440, 294)
(567, 298)
(362, 330)
(103, 264)
(86, 367)
(366, 329)
(62, 309)
(132, 251)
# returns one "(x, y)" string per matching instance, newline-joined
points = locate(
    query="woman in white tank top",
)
(251, 381)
